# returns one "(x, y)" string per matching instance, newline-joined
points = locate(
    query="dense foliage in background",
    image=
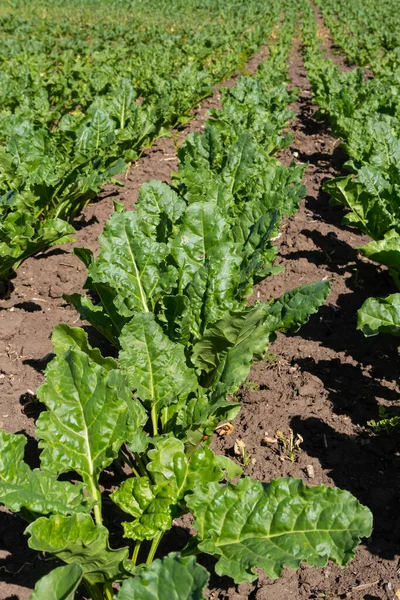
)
(169, 289)
(365, 113)
(96, 84)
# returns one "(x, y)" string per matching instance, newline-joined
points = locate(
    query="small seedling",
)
(385, 423)
(250, 385)
(239, 449)
(289, 445)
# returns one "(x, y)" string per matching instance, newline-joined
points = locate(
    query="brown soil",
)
(325, 383)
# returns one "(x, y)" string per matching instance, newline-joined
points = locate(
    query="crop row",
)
(365, 113)
(171, 284)
(93, 91)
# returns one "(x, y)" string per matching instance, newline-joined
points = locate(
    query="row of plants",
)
(169, 289)
(365, 114)
(96, 87)
(367, 32)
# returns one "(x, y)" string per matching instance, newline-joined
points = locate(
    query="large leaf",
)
(380, 315)
(257, 525)
(34, 490)
(59, 584)
(155, 367)
(65, 337)
(133, 264)
(172, 578)
(159, 208)
(204, 230)
(294, 308)
(385, 251)
(227, 349)
(77, 539)
(89, 408)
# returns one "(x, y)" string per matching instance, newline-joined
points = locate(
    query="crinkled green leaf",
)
(65, 337)
(59, 584)
(367, 212)
(380, 315)
(203, 232)
(86, 422)
(225, 352)
(155, 367)
(159, 208)
(151, 505)
(385, 251)
(294, 308)
(133, 264)
(169, 464)
(213, 290)
(35, 490)
(267, 526)
(173, 577)
(77, 539)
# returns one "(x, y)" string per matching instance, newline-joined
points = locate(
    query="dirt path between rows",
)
(325, 382)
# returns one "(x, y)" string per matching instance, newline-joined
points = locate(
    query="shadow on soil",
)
(363, 466)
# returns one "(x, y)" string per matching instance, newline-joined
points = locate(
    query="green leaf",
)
(35, 490)
(369, 212)
(231, 469)
(59, 584)
(65, 337)
(132, 264)
(155, 367)
(173, 577)
(169, 464)
(159, 208)
(385, 251)
(190, 420)
(104, 317)
(294, 308)
(87, 418)
(380, 315)
(151, 506)
(203, 232)
(257, 525)
(77, 539)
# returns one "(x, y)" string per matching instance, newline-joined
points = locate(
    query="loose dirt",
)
(324, 383)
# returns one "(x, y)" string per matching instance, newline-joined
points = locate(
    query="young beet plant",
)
(92, 419)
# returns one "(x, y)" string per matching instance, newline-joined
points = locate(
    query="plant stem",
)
(154, 420)
(95, 493)
(108, 591)
(153, 548)
(97, 514)
(140, 465)
(136, 551)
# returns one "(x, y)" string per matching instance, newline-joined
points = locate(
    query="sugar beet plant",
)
(100, 85)
(170, 284)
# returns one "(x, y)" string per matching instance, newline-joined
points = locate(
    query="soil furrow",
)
(325, 383)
